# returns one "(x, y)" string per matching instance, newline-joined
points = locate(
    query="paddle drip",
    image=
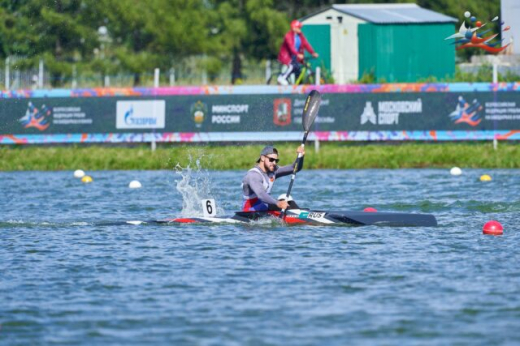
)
(194, 186)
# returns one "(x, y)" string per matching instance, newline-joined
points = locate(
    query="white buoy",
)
(134, 184)
(455, 171)
(79, 173)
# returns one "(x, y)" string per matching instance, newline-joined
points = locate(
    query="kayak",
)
(306, 216)
(316, 217)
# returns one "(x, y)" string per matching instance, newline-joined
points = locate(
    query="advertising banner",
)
(229, 117)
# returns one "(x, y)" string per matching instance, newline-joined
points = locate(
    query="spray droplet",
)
(194, 186)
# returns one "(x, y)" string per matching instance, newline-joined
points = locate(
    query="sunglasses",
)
(272, 159)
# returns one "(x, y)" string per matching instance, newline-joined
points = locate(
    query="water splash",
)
(194, 186)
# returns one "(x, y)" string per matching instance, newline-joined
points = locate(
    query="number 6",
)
(208, 207)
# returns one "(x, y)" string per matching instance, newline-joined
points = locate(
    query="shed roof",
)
(392, 13)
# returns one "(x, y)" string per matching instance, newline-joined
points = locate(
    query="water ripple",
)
(74, 272)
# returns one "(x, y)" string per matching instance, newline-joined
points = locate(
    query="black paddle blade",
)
(310, 111)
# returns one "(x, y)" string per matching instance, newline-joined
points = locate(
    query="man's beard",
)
(268, 169)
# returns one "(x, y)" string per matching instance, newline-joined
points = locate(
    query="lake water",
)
(70, 274)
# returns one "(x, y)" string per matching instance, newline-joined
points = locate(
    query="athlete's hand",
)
(299, 56)
(301, 149)
(282, 205)
(315, 55)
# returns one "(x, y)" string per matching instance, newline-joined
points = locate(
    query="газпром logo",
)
(140, 114)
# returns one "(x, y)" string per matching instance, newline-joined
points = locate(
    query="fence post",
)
(153, 145)
(6, 84)
(172, 76)
(40, 74)
(16, 83)
(204, 77)
(317, 145)
(74, 76)
(267, 70)
(318, 75)
(156, 73)
(107, 81)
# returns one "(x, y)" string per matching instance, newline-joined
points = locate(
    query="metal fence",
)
(186, 73)
(183, 73)
(502, 70)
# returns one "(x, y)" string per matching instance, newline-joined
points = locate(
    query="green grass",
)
(330, 156)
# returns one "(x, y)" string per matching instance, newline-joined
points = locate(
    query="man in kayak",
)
(259, 180)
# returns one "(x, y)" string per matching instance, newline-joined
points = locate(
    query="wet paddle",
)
(310, 111)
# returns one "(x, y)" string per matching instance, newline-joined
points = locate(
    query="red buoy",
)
(370, 210)
(493, 228)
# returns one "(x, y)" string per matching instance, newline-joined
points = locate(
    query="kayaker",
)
(259, 180)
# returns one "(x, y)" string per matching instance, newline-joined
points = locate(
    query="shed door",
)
(319, 38)
(405, 52)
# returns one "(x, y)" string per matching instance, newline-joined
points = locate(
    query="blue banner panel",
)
(378, 112)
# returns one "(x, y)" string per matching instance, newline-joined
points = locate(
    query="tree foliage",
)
(109, 36)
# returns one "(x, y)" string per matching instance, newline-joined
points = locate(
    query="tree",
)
(153, 33)
(111, 36)
(53, 29)
(249, 27)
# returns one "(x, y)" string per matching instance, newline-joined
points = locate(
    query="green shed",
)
(392, 42)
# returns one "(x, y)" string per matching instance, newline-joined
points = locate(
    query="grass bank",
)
(330, 155)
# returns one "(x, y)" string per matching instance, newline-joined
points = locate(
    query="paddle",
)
(310, 111)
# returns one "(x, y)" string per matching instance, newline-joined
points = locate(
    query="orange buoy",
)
(370, 210)
(493, 228)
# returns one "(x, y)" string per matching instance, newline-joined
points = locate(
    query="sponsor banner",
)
(57, 115)
(137, 114)
(262, 90)
(476, 112)
(202, 137)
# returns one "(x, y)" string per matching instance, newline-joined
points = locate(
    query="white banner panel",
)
(141, 114)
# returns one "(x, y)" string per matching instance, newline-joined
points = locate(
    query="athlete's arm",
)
(286, 170)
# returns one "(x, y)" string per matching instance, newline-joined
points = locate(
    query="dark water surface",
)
(69, 274)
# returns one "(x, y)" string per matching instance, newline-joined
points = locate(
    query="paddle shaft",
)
(293, 176)
(310, 112)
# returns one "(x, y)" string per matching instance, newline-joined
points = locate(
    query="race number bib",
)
(209, 207)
